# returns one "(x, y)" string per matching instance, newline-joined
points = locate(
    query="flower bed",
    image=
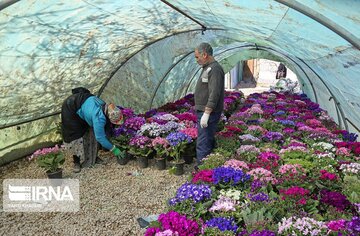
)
(281, 167)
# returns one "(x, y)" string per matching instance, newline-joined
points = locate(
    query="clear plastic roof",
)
(139, 54)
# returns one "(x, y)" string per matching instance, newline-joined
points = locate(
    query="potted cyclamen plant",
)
(51, 160)
(178, 142)
(162, 148)
(141, 148)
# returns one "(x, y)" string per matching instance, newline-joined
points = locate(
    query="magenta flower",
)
(179, 223)
(336, 225)
(327, 176)
(203, 176)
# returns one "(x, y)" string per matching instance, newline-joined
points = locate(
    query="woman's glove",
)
(117, 152)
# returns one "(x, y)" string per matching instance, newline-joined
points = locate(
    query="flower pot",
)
(130, 156)
(160, 163)
(151, 155)
(143, 162)
(55, 175)
(179, 168)
(123, 161)
(55, 178)
(188, 158)
(189, 154)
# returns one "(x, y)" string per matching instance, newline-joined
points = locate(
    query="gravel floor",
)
(111, 199)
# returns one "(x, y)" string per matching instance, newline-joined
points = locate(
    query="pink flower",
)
(45, 151)
(160, 141)
(326, 175)
(263, 175)
(343, 151)
(313, 123)
(192, 132)
(291, 168)
(302, 201)
(236, 164)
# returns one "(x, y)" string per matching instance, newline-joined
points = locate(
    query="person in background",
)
(84, 121)
(281, 71)
(209, 100)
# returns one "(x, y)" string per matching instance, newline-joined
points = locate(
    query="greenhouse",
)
(282, 160)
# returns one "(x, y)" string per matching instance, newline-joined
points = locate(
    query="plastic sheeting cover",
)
(140, 53)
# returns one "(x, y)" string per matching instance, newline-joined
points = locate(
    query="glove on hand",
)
(116, 151)
(204, 120)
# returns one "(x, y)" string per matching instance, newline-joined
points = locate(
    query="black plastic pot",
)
(179, 168)
(160, 163)
(122, 161)
(143, 162)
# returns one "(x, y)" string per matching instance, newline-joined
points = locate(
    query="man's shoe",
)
(77, 168)
(99, 161)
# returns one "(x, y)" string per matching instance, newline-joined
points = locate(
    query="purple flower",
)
(279, 113)
(256, 184)
(353, 226)
(259, 197)
(293, 117)
(287, 122)
(230, 175)
(172, 125)
(335, 199)
(223, 224)
(175, 138)
(272, 136)
(349, 137)
(134, 123)
(194, 192)
(150, 113)
(127, 112)
(313, 106)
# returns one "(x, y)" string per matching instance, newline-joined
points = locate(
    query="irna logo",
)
(38, 193)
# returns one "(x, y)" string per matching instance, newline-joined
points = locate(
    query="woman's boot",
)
(77, 167)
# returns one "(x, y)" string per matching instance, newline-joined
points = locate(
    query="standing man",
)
(209, 100)
(281, 71)
(83, 121)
